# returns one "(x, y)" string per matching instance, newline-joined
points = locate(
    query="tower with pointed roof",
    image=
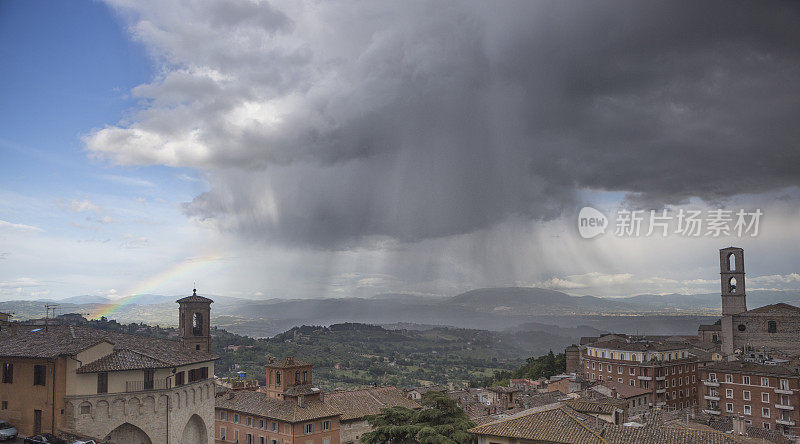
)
(194, 322)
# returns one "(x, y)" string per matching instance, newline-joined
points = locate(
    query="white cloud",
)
(21, 227)
(125, 180)
(78, 206)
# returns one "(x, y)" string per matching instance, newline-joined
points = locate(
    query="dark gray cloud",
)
(330, 124)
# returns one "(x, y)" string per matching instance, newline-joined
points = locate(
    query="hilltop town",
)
(734, 380)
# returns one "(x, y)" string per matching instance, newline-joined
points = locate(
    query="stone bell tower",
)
(734, 299)
(194, 322)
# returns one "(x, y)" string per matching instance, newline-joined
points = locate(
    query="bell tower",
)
(734, 299)
(194, 313)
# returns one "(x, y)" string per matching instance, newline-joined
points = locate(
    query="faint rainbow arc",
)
(147, 286)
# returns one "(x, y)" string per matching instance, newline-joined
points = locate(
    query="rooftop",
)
(67, 340)
(753, 368)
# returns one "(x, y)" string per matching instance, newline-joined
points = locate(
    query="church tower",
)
(734, 299)
(194, 322)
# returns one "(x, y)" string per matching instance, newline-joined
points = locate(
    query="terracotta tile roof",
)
(565, 425)
(640, 345)
(288, 363)
(753, 368)
(356, 404)
(604, 406)
(625, 391)
(772, 308)
(502, 389)
(195, 298)
(302, 389)
(558, 425)
(260, 404)
(66, 340)
(122, 360)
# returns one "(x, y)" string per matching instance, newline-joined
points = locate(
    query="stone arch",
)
(103, 410)
(118, 407)
(129, 434)
(194, 396)
(178, 400)
(194, 431)
(134, 406)
(149, 404)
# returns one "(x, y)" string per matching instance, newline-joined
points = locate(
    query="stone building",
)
(772, 328)
(106, 385)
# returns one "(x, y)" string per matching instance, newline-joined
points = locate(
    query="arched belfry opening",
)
(732, 285)
(195, 317)
(731, 262)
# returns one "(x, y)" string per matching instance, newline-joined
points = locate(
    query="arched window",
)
(305, 375)
(297, 377)
(772, 327)
(731, 262)
(732, 285)
(197, 326)
(278, 377)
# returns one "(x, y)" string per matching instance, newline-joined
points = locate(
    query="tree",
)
(440, 421)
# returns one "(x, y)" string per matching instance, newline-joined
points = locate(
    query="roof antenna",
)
(194, 290)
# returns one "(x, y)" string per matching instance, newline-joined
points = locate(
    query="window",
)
(274, 426)
(600, 367)
(4, 405)
(746, 395)
(772, 327)
(610, 368)
(305, 375)
(102, 382)
(297, 377)
(309, 428)
(327, 425)
(632, 371)
(693, 379)
(278, 377)
(764, 382)
(197, 324)
(236, 418)
(619, 369)
(235, 436)
(746, 380)
(712, 376)
(729, 407)
(728, 378)
(729, 393)
(8, 373)
(601, 377)
(619, 380)
(765, 397)
(248, 421)
(784, 384)
(39, 372)
(248, 438)
(262, 440)
(223, 415)
(766, 425)
(633, 383)
(149, 376)
(179, 378)
(747, 410)
(765, 412)
(260, 423)
(222, 433)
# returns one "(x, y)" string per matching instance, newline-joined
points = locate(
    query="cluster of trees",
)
(534, 368)
(440, 421)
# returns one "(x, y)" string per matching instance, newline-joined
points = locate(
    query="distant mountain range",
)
(498, 309)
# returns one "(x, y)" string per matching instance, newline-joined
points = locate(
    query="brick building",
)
(107, 385)
(667, 369)
(764, 394)
(290, 410)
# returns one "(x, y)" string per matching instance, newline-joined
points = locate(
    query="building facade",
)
(290, 410)
(666, 369)
(105, 385)
(764, 395)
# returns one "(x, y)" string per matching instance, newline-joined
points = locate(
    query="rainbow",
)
(151, 284)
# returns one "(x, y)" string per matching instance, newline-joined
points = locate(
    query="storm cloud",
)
(336, 123)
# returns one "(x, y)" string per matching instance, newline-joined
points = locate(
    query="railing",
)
(141, 386)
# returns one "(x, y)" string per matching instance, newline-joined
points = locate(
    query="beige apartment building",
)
(109, 386)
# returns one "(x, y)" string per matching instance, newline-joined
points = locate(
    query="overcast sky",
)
(316, 149)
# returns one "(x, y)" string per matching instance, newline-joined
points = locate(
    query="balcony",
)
(645, 378)
(660, 404)
(660, 378)
(784, 406)
(711, 398)
(661, 391)
(787, 422)
(711, 412)
(783, 391)
(143, 386)
(711, 383)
